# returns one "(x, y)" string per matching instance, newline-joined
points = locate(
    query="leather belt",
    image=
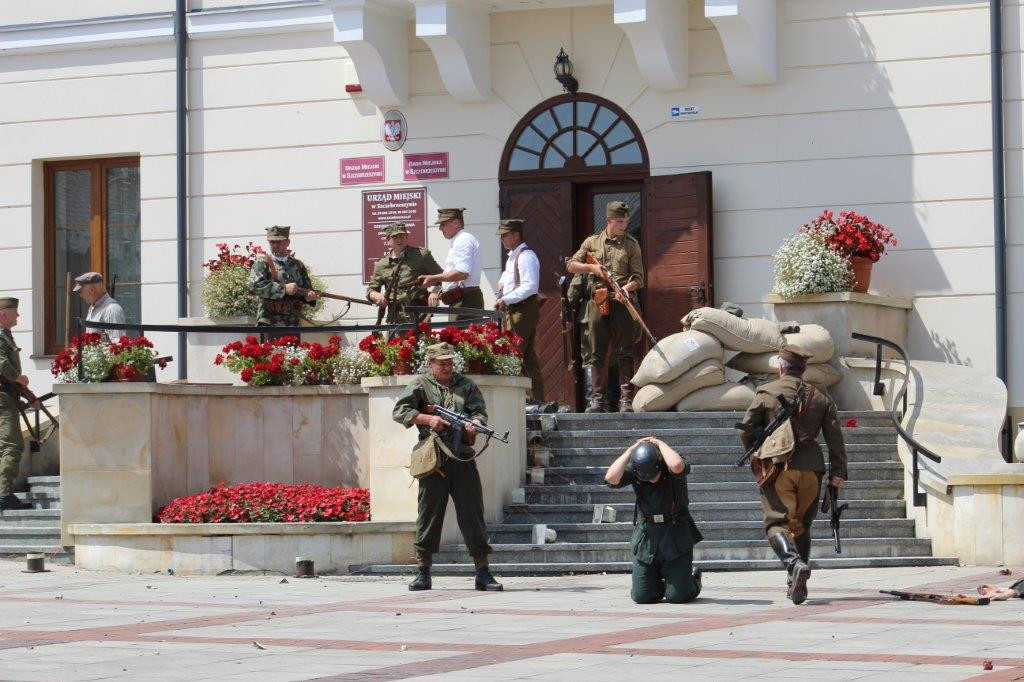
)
(662, 518)
(280, 307)
(531, 297)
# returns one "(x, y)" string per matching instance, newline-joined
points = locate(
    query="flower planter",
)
(403, 367)
(475, 366)
(861, 267)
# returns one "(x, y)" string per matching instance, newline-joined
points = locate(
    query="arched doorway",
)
(568, 157)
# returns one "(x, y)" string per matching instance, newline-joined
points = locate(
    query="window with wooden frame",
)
(91, 225)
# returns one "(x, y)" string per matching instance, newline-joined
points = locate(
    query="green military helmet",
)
(279, 232)
(617, 209)
(441, 351)
(395, 229)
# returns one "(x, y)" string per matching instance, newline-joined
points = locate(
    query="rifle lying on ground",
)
(781, 417)
(457, 425)
(830, 504)
(946, 599)
(26, 400)
(607, 277)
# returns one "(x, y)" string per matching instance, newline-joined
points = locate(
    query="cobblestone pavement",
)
(77, 625)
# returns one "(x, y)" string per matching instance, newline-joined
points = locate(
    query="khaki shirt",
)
(10, 365)
(416, 261)
(462, 396)
(819, 417)
(621, 256)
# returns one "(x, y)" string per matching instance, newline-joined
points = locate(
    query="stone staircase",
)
(723, 501)
(38, 529)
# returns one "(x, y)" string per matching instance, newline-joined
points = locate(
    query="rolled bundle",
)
(676, 354)
(724, 397)
(663, 397)
(752, 335)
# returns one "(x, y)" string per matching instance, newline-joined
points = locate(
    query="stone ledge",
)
(221, 529)
(842, 297)
(495, 380)
(118, 387)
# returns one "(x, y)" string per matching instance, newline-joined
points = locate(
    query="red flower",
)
(851, 423)
(293, 361)
(219, 360)
(246, 374)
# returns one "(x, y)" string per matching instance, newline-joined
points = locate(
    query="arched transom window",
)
(575, 133)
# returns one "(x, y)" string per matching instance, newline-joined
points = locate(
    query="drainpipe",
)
(999, 206)
(181, 117)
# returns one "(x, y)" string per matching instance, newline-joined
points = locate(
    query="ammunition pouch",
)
(426, 457)
(451, 296)
(603, 301)
(280, 306)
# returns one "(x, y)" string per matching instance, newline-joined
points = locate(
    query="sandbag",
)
(823, 375)
(663, 397)
(752, 335)
(755, 363)
(814, 340)
(728, 396)
(676, 354)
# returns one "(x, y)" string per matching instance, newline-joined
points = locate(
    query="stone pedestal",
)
(204, 347)
(502, 468)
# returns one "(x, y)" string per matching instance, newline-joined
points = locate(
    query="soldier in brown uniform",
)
(790, 498)
(620, 254)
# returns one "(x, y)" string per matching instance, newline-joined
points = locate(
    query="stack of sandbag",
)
(752, 335)
(812, 339)
(677, 366)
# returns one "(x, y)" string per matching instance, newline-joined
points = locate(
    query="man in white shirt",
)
(102, 307)
(460, 281)
(518, 297)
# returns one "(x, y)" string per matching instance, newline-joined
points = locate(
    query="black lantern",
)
(563, 72)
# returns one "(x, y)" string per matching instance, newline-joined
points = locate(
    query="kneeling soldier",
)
(664, 532)
(457, 475)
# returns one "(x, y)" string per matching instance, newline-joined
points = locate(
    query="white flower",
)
(508, 365)
(805, 264)
(351, 365)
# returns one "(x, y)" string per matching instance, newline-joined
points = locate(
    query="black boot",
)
(422, 580)
(485, 582)
(625, 387)
(599, 386)
(13, 502)
(797, 569)
(803, 546)
(698, 580)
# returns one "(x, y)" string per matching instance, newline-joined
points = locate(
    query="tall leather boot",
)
(485, 582)
(803, 546)
(422, 579)
(698, 580)
(796, 567)
(588, 387)
(599, 382)
(625, 388)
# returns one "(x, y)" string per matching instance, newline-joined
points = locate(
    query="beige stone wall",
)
(881, 107)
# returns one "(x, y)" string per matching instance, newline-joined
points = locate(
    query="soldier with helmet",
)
(276, 279)
(409, 263)
(664, 533)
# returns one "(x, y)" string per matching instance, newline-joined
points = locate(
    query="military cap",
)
(793, 355)
(731, 308)
(87, 278)
(395, 228)
(444, 214)
(8, 302)
(617, 209)
(279, 232)
(441, 351)
(510, 225)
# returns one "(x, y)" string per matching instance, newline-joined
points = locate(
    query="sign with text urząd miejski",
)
(383, 207)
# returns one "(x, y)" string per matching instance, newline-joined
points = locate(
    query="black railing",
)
(916, 449)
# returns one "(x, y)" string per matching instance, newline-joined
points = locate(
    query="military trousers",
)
(461, 482)
(603, 336)
(470, 299)
(791, 502)
(12, 445)
(669, 580)
(523, 319)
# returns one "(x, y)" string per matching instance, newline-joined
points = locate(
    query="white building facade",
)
(781, 107)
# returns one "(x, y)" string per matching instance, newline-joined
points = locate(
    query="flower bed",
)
(287, 362)
(268, 503)
(480, 349)
(122, 360)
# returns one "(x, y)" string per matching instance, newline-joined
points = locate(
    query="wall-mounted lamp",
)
(563, 72)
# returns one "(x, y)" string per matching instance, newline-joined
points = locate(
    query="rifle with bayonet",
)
(945, 599)
(25, 400)
(784, 414)
(457, 422)
(624, 295)
(830, 504)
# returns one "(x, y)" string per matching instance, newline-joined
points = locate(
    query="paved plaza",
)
(77, 625)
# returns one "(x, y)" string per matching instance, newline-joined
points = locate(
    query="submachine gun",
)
(457, 426)
(27, 400)
(830, 505)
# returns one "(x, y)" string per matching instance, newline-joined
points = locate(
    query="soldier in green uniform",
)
(790, 500)
(620, 253)
(275, 279)
(459, 480)
(460, 281)
(412, 262)
(12, 444)
(664, 533)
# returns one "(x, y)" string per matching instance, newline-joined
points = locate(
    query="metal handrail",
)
(916, 449)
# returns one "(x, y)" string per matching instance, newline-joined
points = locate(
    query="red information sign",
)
(383, 207)
(362, 170)
(429, 166)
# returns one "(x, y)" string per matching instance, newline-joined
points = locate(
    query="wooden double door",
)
(670, 217)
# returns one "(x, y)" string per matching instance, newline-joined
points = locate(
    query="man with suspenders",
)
(518, 297)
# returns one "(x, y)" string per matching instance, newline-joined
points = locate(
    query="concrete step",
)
(715, 473)
(699, 492)
(522, 533)
(41, 500)
(747, 510)
(623, 438)
(708, 550)
(30, 534)
(12, 518)
(526, 569)
(669, 420)
(711, 454)
(44, 484)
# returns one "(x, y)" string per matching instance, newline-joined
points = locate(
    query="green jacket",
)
(415, 261)
(462, 396)
(1018, 587)
(10, 364)
(820, 417)
(266, 286)
(664, 541)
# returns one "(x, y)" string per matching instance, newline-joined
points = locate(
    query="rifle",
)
(300, 292)
(458, 421)
(781, 417)
(25, 400)
(607, 277)
(830, 504)
(945, 599)
(391, 288)
(568, 328)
